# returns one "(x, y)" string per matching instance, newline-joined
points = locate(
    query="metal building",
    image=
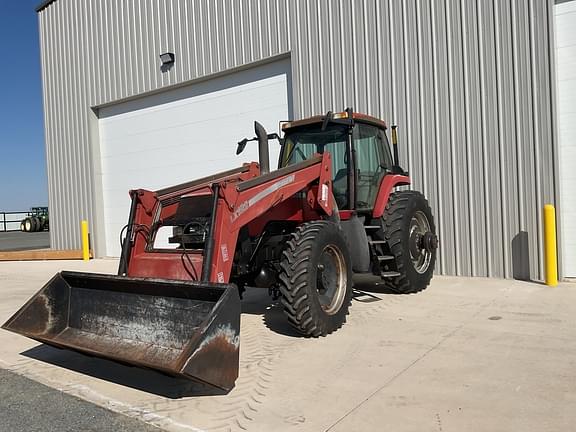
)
(471, 84)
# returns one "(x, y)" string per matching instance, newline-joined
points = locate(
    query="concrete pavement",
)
(466, 354)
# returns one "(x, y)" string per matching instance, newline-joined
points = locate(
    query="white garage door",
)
(565, 20)
(186, 133)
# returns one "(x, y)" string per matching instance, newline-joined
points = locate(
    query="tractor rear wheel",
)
(316, 278)
(410, 233)
(35, 224)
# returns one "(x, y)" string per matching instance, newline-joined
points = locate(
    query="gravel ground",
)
(28, 406)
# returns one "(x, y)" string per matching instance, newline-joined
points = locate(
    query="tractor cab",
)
(359, 149)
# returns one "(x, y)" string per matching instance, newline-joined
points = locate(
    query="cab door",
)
(373, 161)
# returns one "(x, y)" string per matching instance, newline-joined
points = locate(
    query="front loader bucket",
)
(181, 328)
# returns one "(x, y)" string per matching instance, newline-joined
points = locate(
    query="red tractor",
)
(329, 211)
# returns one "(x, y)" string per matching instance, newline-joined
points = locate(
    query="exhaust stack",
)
(263, 151)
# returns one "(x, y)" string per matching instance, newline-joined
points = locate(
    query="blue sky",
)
(23, 181)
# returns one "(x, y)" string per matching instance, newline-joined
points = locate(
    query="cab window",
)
(301, 144)
(373, 161)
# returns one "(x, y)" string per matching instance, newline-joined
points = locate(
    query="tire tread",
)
(293, 279)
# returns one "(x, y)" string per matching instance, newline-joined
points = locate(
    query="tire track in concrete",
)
(362, 314)
(260, 349)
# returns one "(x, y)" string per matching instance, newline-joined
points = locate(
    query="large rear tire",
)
(410, 232)
(316, 278)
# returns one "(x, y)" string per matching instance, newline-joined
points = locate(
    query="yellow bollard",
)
(85, 241)
(550, 261)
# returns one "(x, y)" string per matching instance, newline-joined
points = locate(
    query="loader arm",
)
(242, 197)
(150, 207)
(241, 203)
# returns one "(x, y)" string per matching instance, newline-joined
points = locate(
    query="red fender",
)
(389, 182)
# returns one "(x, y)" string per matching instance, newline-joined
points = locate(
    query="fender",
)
(388, 183)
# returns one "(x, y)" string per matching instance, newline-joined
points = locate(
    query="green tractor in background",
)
(37, 220)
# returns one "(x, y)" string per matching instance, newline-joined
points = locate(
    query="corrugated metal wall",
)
(468, 81)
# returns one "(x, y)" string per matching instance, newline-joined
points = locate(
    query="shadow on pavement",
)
(371, 284)
(130, 376)
(255, 302)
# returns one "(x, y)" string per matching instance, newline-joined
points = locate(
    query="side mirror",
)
(241, 146)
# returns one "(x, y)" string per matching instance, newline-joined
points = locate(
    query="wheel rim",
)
(420, 256)
(331, 279)
(28, 225)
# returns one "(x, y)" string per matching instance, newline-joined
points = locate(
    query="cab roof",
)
(363, 118)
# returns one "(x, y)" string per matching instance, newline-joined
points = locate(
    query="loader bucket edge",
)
(182, 328)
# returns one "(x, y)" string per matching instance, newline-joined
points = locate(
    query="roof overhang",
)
(44, 5)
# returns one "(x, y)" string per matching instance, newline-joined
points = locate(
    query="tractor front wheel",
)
(316, 278)
(410, 233)
(28, 225)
